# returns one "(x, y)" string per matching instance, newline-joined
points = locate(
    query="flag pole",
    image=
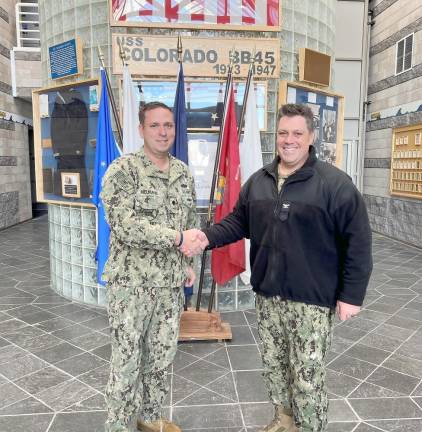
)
(245, 97)
(179, 60)
(112, 101)
(212, 192)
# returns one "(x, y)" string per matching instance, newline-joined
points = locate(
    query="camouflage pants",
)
(144, 326)
(296, 338)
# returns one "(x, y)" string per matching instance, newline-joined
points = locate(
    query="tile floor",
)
(54, 354)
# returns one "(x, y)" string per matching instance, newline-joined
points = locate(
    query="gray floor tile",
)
(339, 384)
(97, 323)
(71, 332)
(65, 394)
(351, 366)
(402, 425)
(21, 366)
(10, 394)
(197, 417)
(405, 323)
(33, 423)
(342, 427)
(96, 378)
(366, 390)
(219, 358)
(201, 373)
(369, 354)
(54, 324)
(250, 386)
(385, 408)
(91, 340)
(104, 352)
(234, 318)
(80, 364)
(41, 380)
(244, 357)
(79, 422)
(340, 411)
(381, 342)
(257, 414)
(58, 352)
(182, 389)
(393, 380)
(242, 335)
(37, 317)
(94, 403)
(10, 353)
(26, 406)
(405, 365)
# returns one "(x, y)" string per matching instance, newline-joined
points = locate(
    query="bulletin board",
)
(65, 129)
(328, 109)
(406, 162)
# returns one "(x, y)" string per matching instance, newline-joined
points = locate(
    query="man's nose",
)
(162, 130)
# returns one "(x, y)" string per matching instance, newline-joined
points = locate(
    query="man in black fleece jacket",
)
(310, 255)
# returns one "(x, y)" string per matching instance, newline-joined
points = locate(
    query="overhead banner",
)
(250, 15)
(202, 57)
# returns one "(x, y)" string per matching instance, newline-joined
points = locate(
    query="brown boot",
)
(282, 422)
(161, 425)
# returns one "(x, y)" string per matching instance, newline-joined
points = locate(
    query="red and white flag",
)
(228, 261)
(231, 12)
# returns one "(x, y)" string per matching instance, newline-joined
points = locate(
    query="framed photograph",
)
(64, 142)
(71, 184)
(204, 100)
(328, 110)
(197, 14)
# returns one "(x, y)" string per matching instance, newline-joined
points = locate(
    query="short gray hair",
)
(292, 110)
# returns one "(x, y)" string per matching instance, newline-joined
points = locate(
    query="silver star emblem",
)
(214, 116)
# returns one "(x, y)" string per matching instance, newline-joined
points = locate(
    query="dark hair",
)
(149, 107)
(291, 110)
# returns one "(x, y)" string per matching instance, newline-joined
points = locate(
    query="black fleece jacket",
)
(311, 242)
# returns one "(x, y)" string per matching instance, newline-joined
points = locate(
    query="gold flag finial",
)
(179, 49)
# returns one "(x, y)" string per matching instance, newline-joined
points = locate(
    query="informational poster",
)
(202, 149)
(66, 59)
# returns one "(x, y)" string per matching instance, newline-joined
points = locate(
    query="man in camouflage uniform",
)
(310, 254)
(149, 201)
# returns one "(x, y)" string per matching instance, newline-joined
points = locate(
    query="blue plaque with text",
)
(64, 59)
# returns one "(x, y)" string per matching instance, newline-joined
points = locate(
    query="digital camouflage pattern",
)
(145, 274)
(144, 324)
(296, 338)
(145, 207)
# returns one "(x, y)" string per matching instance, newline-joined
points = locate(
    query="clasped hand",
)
(194, 242)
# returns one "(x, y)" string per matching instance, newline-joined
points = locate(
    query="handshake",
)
(191, 242)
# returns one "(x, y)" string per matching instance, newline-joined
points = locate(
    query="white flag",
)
(132, 141)
(250, 159)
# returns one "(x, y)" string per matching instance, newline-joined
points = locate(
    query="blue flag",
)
(180, 146)
(106, 152)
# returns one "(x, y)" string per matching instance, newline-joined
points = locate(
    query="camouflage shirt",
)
(145, 208)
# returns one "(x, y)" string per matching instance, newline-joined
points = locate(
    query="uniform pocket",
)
(148, 205)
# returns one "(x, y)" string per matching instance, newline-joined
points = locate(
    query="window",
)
(404, 54)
